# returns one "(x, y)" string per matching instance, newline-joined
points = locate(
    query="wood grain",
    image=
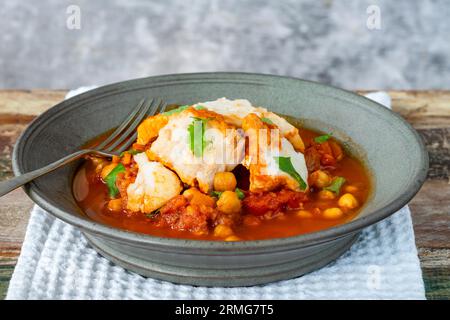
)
(427, 111)
(28, 102)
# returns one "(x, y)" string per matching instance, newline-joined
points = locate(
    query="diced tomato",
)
(312, 159)
(180, 214)
(325, 154)
(337, 150)
(327, 160)
(260, 204)
(325, 148)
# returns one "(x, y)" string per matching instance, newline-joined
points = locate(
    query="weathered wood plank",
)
(435, 264)
(9, 133)
(430, 211)
(434, 258)
(6, 272)
(424, 109)
(437, 141)
(28, 102)
(14, 212)
(437, 283)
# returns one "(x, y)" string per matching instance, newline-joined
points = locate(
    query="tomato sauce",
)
(92, 197)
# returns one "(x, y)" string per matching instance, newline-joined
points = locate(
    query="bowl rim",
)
(307, 239)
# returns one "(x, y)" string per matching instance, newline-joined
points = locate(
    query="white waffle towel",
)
(56, 262)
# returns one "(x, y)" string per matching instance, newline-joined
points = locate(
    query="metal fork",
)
(116, 143)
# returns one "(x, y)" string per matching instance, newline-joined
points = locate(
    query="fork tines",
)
(125, 134)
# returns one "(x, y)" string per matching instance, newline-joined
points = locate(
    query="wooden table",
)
(427, 111)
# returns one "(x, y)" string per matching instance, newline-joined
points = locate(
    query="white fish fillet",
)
(154, 186)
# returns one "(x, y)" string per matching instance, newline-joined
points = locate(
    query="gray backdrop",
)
(328, 41)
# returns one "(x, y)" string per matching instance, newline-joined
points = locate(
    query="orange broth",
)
(92, 197)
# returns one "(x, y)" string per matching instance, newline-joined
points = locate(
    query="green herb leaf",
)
(197, 139)
(153, 214)
(267, 120)
(176, 110)
(216, 194)
(132, 151)
(336, 185)
(285, 165)
(110, 180)
(181, 108)
(240, 193)
(323, 138)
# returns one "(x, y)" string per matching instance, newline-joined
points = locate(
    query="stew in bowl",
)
(224, 170)
(179, 208)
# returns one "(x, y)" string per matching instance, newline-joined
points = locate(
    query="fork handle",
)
(14, 183)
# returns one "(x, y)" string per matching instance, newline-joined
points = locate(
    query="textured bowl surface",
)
(390, 148)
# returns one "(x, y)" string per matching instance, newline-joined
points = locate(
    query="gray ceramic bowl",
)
(392, 150)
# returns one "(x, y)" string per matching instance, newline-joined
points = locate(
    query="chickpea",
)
(205, 200)
(229, 202)
(196, 197)
(115, 205)
(232, 238)
(224, 181)
(304, 214)
(351, 189)
(96, 161)
(337, 150)
(326, 195)
(332, 213)
(191, 210)
(99, 163)
(189, 193)
(348, 201)
(107, 170)
(223, 231)
(320, 179)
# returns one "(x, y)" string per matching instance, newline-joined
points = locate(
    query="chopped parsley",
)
(181, 108)
(131, 151)
(285, 165)
(216, 194)
(240, 193)
(336, 185)
(197, 140)
(153, 214)
(267, 120)
(110, 180)
(176, 110)
(323, 138)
